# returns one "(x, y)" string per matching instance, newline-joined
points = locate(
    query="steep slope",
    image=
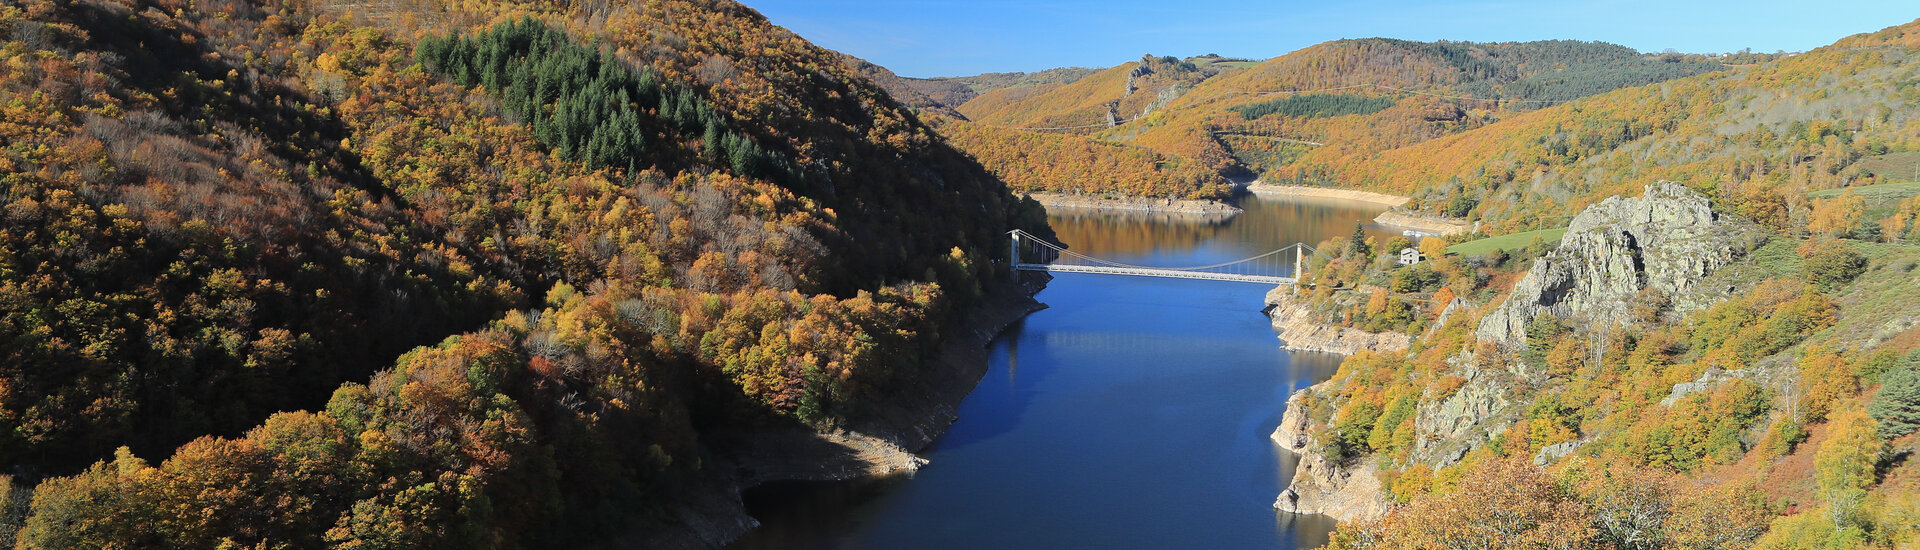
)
(633, 231)
(1658, 363)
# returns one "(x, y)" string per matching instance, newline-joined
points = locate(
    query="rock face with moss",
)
(1661, 243)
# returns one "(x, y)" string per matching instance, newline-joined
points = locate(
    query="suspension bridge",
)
(1279, 267)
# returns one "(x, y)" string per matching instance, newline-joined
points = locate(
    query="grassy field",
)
(1505, 242)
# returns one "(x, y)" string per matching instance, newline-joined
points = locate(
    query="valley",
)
(668, 274)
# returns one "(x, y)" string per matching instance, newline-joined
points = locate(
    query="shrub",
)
(1834, 267)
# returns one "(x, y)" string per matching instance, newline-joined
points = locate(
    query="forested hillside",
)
(1282, 118)
(1758, 138)
(1070, 164)
(1729, 360)
(617, 231)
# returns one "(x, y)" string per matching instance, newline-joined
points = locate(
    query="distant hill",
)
(1239, 117)
(1757, 138)
(925, 95)
(1435, 89)
(979, 84)
(1035, 162)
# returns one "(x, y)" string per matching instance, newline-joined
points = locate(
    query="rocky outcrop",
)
(1667, 240)
(1345, 493)
(1556, 451)
(1301, 330)
(1452, 425)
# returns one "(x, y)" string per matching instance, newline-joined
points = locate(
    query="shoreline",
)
(1318, 486)
(1422, 223)
(1300, 332)
(888, 443)
(1277, 190)
(1136, 204)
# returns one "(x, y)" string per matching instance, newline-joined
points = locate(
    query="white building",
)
(1409, 256)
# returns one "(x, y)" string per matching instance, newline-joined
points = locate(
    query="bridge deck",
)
(1145, 272)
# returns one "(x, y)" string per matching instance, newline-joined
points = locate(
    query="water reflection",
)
(1134, 412)
(1267, 224)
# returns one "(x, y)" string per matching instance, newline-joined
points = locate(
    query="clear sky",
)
(964, 37)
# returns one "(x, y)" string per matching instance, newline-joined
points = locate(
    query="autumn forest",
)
(510, 274)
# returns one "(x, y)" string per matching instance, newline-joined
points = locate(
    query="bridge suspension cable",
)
(1031, 253)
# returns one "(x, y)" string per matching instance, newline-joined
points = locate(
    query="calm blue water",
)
(1133, 413)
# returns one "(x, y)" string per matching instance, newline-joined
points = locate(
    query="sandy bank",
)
(1146, 205)
(1422, 223)
(1268, 189)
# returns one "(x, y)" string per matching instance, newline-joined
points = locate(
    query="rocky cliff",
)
(1319, 486)
(1301, 330)
(1665, 240)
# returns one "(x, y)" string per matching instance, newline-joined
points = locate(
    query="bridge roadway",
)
(1149, 272)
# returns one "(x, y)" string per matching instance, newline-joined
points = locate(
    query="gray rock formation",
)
(1667, 239)
(1301, 330)
(1453, 425)
(1556, 452)
(1345, 493)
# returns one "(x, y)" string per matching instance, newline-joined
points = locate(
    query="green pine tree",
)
(1897, 406)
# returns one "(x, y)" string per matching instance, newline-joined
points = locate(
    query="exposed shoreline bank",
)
(1422, 223)
(1276, 190)
(1299, 331)
(1318, 485)
(1136, 204)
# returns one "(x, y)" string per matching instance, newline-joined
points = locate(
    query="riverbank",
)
(1300, 330)
(1319, 486)
(1136, 204)
(1275, 190)
(882, 444)
(1423, 223)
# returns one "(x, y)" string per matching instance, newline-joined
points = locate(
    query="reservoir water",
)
(1132, 413)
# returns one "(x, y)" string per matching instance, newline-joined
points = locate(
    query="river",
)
(1132, 413)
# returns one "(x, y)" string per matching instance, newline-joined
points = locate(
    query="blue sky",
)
(963, 37)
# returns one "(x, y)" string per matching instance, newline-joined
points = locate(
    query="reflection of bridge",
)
(1032, 253)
